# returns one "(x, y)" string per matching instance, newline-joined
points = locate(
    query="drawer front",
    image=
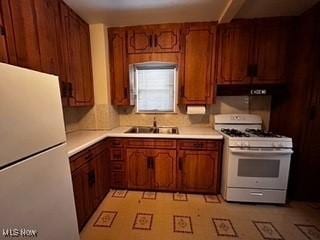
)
(151, 143)
(117, 166)
(116, 154)
(79, 159)
(99, 147)
(199, 145)
(117, 180)
(116, 142)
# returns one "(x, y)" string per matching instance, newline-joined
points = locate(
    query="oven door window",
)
(266, 168)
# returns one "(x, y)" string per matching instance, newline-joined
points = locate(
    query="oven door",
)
(259, 168)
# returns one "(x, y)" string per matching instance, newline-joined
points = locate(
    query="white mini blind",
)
(155, 89)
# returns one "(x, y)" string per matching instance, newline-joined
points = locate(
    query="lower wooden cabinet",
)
(151, 169)
(91, 180)
(199, 171)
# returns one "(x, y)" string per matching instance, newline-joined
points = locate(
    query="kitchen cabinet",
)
(47, 36)
(235, 41)
(139, 162)
(31, 29)
(77, 59)
(199, 166)
(163, 38)
(197, 83)
(118, 163)
(90, 178)
(3, 44)
(151, 169)
(119, 69)
(253, 51)
(272, 39)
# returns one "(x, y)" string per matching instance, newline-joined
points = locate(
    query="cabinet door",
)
(139, 168)
(198, 171)
(271, 45)
(80, 78)
(21, 30)
(197, 85)
(140, 40)
(118, 68)
(166, 38)
(103, 176)
(48, 24)
(80, 196)
(235, 45)
(3, 45)
(164, 167)
(89, 184)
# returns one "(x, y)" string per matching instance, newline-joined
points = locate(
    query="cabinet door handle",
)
(91, 178)
(255, 70)
(152, 162)
(182, 91)
(125, 92)
(155, 40)
(2, 31)
(148, 162)
(150, 41)
(180, 164)
(70, 90)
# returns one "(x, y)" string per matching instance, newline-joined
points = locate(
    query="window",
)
(155, 88)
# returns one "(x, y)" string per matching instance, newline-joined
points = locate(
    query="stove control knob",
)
(239, 144)
(246, 144)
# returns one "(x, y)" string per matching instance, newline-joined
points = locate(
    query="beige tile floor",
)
(133, 215)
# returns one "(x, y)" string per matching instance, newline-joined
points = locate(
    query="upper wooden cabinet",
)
(118, 67)
(234, 52)
(253, 51)
(272, 39)
(154, 39)
(75, 38)
(47, 36)
(3, 45)
(31, 29)
(197, 63)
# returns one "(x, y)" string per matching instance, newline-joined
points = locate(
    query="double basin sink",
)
(153, 130)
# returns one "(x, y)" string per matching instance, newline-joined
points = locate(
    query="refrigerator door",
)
(31, 113)
(36, 195)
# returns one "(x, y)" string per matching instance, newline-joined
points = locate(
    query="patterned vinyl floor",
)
(132, 215)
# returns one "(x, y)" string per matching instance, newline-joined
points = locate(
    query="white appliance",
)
(256, 163)
(36, 196)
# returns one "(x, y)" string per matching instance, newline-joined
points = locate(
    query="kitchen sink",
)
(154, 130)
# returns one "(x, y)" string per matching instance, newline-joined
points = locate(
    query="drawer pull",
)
(256, 194)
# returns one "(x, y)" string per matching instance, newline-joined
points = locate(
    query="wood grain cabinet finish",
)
(234, 57)
(151, 169)
(47, 36)
(272, 39)
(163, 38)
(118, 163)
(197, 63)
(78, 59)
(253, 51)
(140, 40)
(139, 168)
(91, 179)
(199, 171)
(31, 32)
(118, 67)
(3, 44)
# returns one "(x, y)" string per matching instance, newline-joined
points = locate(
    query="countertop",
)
(82, 139)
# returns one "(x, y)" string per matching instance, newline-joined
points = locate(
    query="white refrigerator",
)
(36, 195)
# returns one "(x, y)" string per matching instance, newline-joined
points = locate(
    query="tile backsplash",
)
(104, 116)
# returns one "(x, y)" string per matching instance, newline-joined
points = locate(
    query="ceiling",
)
(135, 12)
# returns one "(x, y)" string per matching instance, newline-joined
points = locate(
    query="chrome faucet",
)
(155, 124)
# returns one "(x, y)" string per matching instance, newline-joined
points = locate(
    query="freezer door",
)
(36, 194)
(31, 117)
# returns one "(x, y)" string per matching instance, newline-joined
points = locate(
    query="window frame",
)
(156, 66)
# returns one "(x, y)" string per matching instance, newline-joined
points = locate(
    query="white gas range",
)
(255, 164)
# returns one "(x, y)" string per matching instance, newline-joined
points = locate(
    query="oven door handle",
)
(277, 151)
